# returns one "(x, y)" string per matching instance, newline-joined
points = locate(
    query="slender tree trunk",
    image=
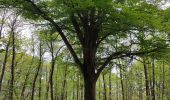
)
(53, 60)
(6, 50)
(99, 89)
(146, 80)
(37, 72)
(4, 62)
(117, 86)
(122, 85)
(73, 97)
(64, 84)
(47, 84)
(158, 89)
(153, 80)
(78, 88)
(12, 67)
(159, 83)
(24, 85)
(126, 88)
(66, 95)
(56, 86)
(104, 88)
(140, 88)
(52, 70)
(51, 78)
(110, 84)
(40, 88)
(163, 80)
(26, 80)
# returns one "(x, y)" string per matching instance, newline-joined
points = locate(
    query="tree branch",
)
(55, 25)
(121, 54)
(103, 38)
(77, 29)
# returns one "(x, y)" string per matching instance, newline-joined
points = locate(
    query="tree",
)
(37, 70)
(6, 48)
(91, 24)
(50, 39)
(29, 69)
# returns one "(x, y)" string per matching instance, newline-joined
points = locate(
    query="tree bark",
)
(90, 89)
(82, 95)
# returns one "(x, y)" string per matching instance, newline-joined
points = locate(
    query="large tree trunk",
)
(90, 89)
(81, 92)
(90, 79)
